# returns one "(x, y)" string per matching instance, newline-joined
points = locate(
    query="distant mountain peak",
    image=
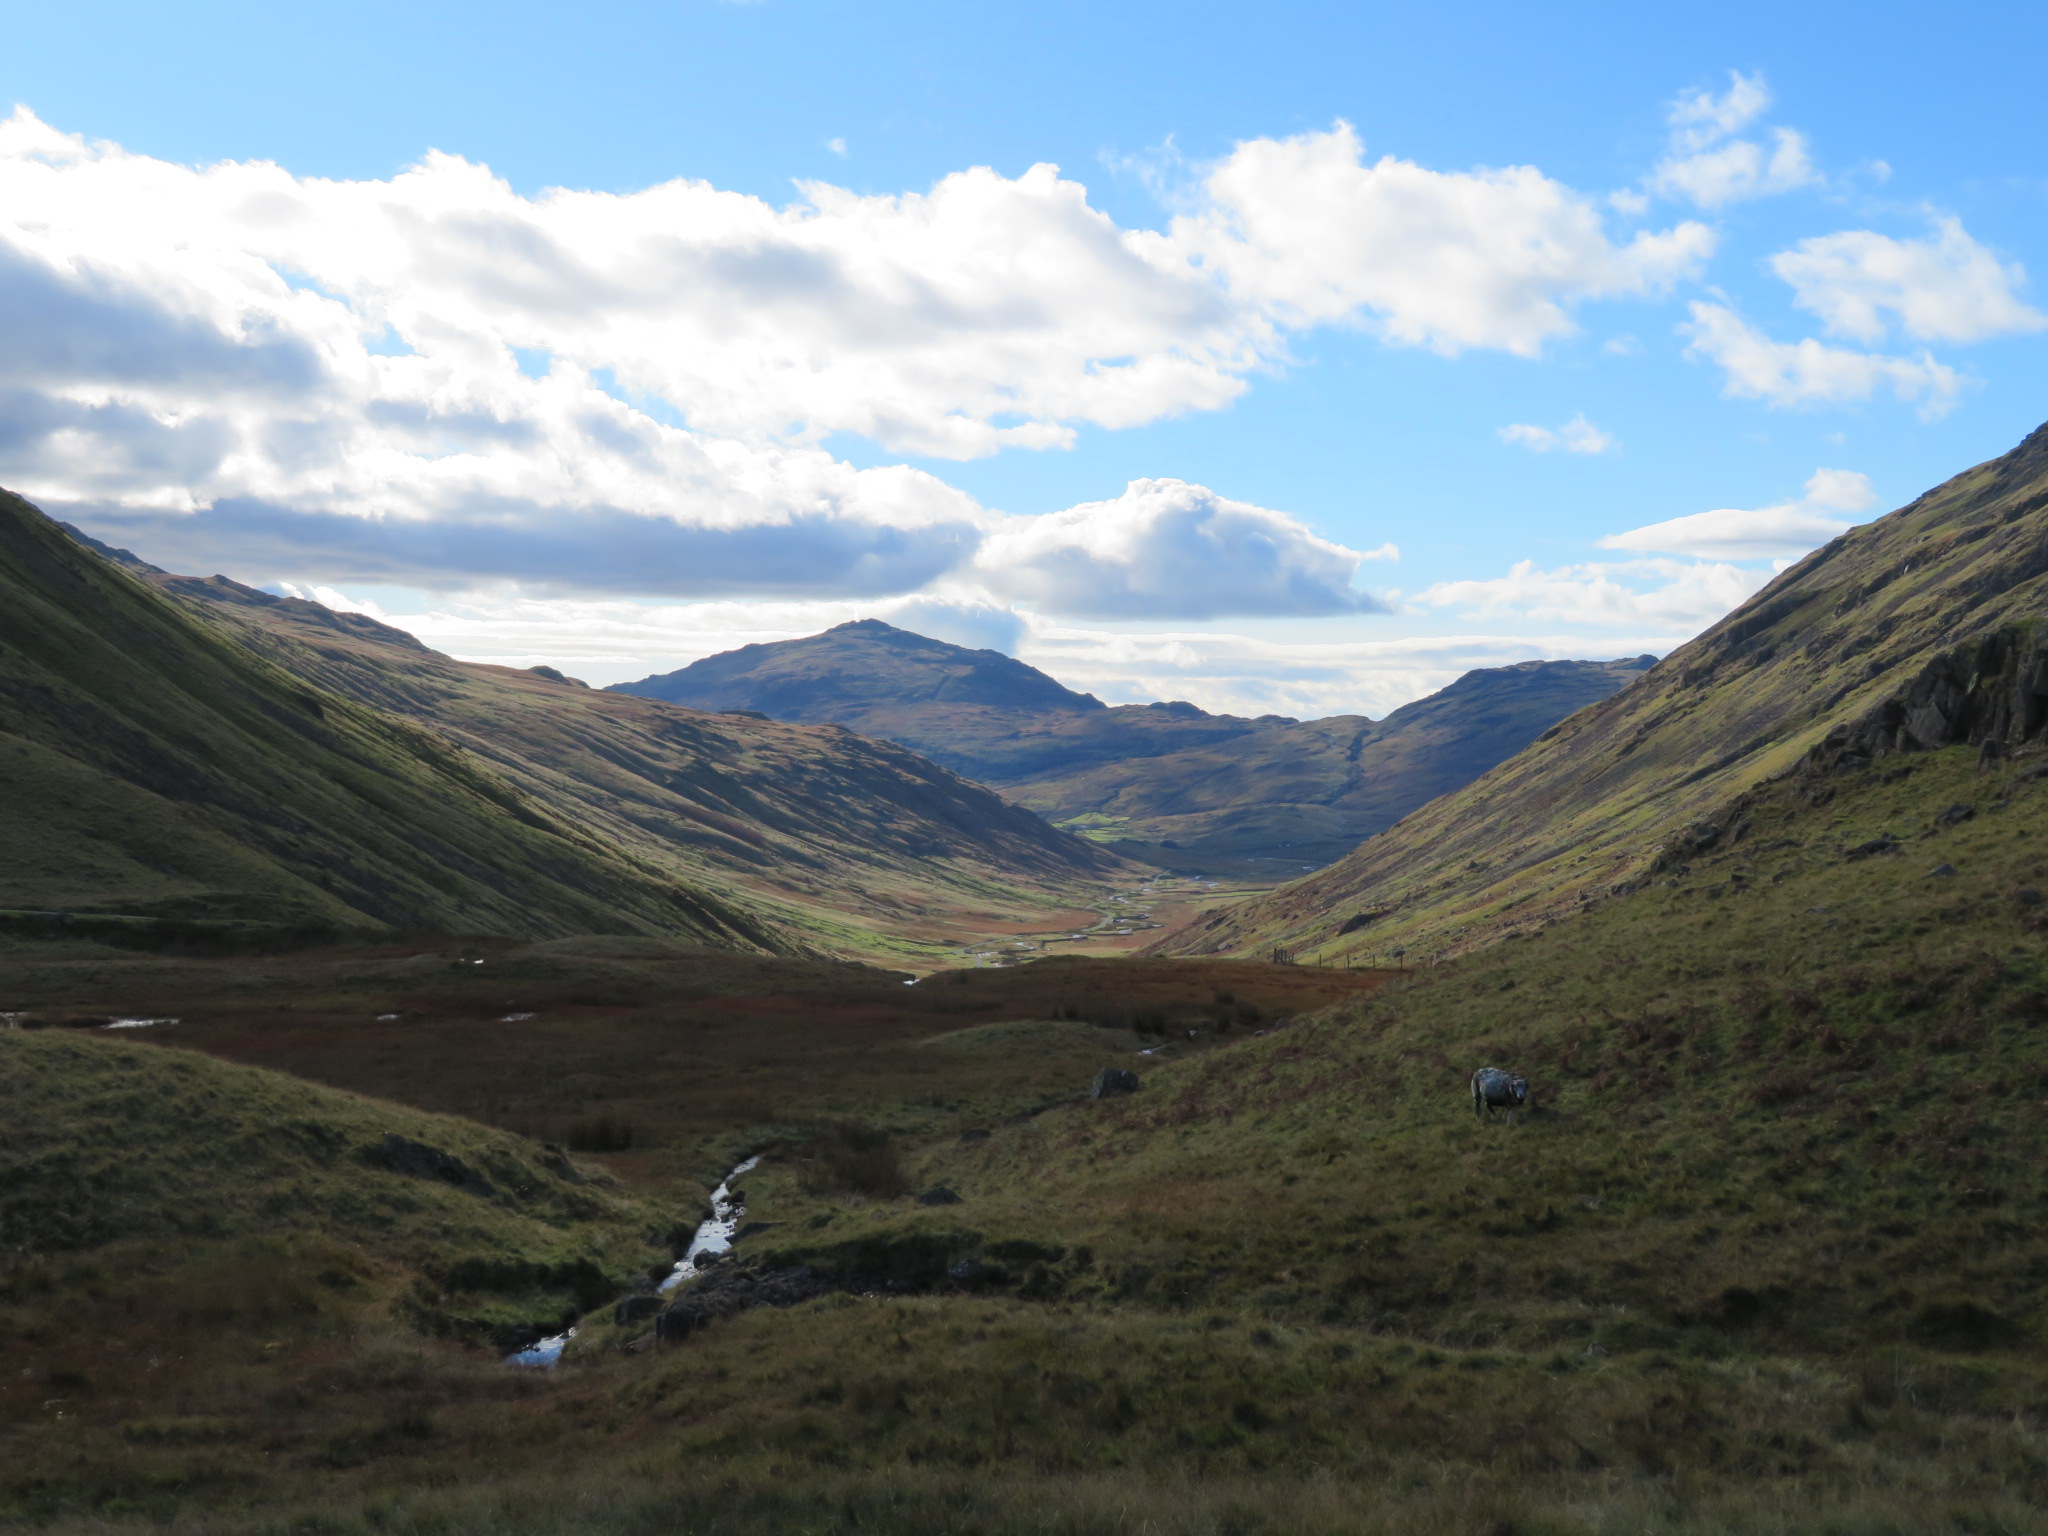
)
(835, 677)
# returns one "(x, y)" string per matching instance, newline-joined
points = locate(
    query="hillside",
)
(840, 843)
(1909, 632)
(1166, 782)
(159, 780)
(1764, 1256)
(1308, 792)
(109, 1142)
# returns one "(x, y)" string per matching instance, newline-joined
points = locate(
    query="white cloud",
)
(837, 146)
(1676, 597)
(1304, 230)
(1783, 531)
(1699, 118)
(1809, 372)
(1944, 288)
(435, 380)
(1576, 436)
(1169, 549)
(1708, 166)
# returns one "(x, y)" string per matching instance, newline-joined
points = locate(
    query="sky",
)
(1292, 358)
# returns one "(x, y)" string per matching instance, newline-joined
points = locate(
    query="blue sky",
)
(1773, 263)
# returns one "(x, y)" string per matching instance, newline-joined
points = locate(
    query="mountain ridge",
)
(1834, 659)
(1167, 781)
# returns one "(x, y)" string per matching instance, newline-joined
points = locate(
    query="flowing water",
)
(714, 1235)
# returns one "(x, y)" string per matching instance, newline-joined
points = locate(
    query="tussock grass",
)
(106, 1143)
(1766, 1258)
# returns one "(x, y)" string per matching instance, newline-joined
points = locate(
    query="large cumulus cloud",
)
(1167, 549)
(437, 380)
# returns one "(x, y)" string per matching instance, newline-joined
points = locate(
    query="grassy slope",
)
(108, 1142)
(1768, 1260)
(1587, 807)
(859, 847)
(149, 766)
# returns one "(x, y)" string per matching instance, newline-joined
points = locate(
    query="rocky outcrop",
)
(1993, 690)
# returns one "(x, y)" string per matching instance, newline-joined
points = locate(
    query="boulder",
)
(1111, 1081)
(938, 1196)
(635, 1309)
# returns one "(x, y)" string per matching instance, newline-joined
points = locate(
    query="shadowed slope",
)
(1887, 626)
(152, 768)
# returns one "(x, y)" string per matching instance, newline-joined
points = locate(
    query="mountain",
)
(1166, 782)
(154, 771)
(1910, 632)
(848, 845)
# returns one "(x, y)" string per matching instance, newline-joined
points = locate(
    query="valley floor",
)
(1767, 1256)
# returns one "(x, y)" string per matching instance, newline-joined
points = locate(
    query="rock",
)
(967, 1272)
(678, 1323)
(974, 1135)
(1956, 815)
(710, 1257)
(938, 1196)
(2027, 896)
(1941, 871)
(415, 1159)
(1884, 844)
(636, 1309)
(1111, 1081)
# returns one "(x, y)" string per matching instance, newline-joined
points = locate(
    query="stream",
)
(714, 1235)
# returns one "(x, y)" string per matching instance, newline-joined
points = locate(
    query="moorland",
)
(1764, 929)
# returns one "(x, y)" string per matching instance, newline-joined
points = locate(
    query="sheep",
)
(1494, 1089)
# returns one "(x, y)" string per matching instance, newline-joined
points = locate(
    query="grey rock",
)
(1941, 871)
(635, 1309)
(1111, 1081)
(938, 1196)
(1956, 815)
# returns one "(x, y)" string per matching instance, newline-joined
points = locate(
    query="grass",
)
(108, 1144)
(701, 1054)
(1766, 1258)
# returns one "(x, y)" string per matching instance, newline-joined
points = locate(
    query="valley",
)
(1091, 1195)
(1200, 794)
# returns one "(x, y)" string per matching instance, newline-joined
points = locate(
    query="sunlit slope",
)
(1786, 1099)
(1884, 623)
(851, 845)
(151, 767)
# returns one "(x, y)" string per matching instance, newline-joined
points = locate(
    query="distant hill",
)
(179, 751)
(1918, 630)
(840, 844)
(1167, 782)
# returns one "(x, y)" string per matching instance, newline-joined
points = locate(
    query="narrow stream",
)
(713, 1235)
